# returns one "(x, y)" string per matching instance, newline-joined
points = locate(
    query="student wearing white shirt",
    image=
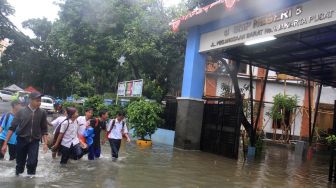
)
(117, 129)
(55, 123)
(68, 137)
(84, 121)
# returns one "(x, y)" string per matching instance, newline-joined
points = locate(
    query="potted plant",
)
(282, 113)
(144, 118)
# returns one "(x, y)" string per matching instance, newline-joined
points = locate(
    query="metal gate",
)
(221, 127)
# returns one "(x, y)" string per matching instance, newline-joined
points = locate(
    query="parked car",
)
(47, 104)
(6, 95)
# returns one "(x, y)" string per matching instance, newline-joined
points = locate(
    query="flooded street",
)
(164, 166)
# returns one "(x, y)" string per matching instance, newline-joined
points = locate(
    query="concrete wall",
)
(163, 136)
(328, 95)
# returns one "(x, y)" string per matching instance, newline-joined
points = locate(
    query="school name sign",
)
(305, 16)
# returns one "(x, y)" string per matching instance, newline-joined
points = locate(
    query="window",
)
(47, 101)
(6, 92)
(243, 69)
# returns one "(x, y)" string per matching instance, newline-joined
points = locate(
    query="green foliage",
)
(114, 109)
(79, 107)
(96, 103)
(226, 90)
(152, 90)
(144, 117)
(331, 140)
(281, 104)
(79, 52)
(6, 26)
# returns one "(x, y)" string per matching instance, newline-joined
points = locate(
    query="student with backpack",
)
(117, 129)
(16, 106)
(97, 124)
(68, 140)
(30, 124)
(56, 123)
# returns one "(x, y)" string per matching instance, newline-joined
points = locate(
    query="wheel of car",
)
(1, 99)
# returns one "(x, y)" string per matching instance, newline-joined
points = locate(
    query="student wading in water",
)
(68, 138)
(16, 106)
(117, 129)
(30, 124)
(97, 124)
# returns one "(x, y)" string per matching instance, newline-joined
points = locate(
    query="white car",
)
(47, 104)
(5, 95)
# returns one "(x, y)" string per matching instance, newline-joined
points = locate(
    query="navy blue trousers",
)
(26, 152)
(74, 152)
(94, 152)
(115, 146)
(11, 150)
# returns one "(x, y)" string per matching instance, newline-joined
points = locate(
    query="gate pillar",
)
(189, 123)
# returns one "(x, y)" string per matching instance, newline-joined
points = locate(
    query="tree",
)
(88, 39)
(6, 26)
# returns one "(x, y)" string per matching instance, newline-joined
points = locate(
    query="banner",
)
(121, 89)
(131, 88)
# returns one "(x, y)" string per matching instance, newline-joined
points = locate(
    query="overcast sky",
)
(26, 9)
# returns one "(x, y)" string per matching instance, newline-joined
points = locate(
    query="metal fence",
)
(221, 127)
(169, 115)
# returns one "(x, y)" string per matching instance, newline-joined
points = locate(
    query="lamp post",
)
(121, 61)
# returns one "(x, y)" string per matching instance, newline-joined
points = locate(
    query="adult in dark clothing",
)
(31, 125)
(98, 125)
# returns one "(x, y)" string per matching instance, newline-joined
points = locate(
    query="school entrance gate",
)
(221, 127)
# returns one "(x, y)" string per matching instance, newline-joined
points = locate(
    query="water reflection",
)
(164, 166)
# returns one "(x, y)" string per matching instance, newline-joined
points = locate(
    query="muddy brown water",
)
(164, 166)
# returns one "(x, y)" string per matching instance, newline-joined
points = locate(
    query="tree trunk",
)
(233, 75)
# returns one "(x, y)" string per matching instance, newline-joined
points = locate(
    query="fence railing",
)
(169, 115)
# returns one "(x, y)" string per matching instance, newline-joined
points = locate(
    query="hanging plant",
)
(283, 104)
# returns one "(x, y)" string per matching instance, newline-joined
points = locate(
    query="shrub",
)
(76, 105)
(144, 117)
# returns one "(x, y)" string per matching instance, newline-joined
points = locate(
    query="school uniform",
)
(115, 135)
(83, 123)
(70, 146)
(95, 148)
(12, 141)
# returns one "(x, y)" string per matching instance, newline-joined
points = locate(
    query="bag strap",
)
(65, 128)
(6, 119)
(112, 126)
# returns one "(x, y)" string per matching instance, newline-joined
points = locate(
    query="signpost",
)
(131, 88)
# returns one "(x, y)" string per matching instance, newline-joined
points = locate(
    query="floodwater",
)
(164, 166)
